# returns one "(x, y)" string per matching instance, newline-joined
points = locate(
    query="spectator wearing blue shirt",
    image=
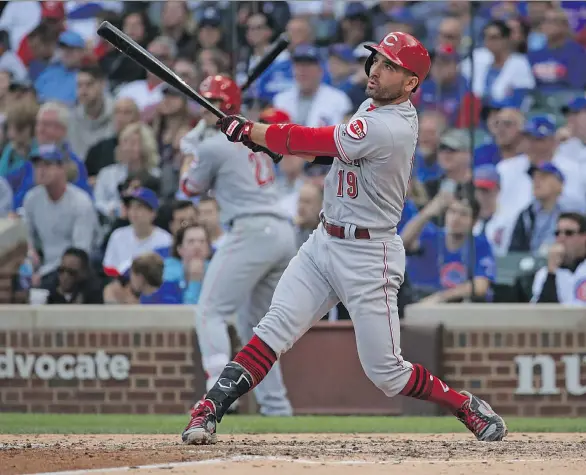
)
(561, 64)
(50, 129)
(188, 262)
(58, 82)
(445, 89)
(432, 125)
(439, 259)
(20, 127)
(509, 140)
(341, 66)
(146, 282)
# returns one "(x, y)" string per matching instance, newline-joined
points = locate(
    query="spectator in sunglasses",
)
(75, 284)
(563, 279)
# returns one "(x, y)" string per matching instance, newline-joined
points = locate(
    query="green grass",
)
(138, 424)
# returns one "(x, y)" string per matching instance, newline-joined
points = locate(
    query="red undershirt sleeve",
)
(291, 139)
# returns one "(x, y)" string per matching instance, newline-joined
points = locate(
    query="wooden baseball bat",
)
(128, 47)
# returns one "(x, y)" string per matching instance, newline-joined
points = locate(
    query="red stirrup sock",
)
(423, 385)
(256, 358)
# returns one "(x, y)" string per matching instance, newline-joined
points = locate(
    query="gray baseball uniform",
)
(365, 188)
(244, 272)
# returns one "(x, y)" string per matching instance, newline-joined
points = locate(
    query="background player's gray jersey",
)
(243, 182)
(367, 184)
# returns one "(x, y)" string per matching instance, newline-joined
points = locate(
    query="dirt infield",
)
(288, 454)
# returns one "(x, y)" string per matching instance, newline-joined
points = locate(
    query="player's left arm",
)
(198, 171)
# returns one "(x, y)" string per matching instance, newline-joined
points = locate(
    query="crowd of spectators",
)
(92, 144)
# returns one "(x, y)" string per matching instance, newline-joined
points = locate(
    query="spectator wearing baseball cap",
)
(446, 89)
(516, 184)
(535, 226)
(140, 236)
(341, 66)
(52, 201)
(310, 102)
(58, 81)
(575, 146)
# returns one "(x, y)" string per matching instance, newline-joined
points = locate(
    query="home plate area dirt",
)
(288, 454)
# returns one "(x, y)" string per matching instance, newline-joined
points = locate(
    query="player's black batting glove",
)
(235, 127)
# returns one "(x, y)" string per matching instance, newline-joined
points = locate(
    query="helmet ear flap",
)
(368, 63)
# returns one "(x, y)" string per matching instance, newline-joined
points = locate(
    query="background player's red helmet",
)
(404, 50)
(270, 115)
(224, 89)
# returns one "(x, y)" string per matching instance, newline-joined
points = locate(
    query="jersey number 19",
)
(264, 172)
(347, 184)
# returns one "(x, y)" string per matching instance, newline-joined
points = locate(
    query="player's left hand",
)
(235, 127)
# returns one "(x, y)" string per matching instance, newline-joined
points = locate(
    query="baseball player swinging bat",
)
(127, 46)
(355, 255)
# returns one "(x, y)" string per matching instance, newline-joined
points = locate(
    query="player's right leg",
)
(301, 298)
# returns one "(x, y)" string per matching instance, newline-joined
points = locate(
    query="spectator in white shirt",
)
(139, 237)
(516, 185)
(575, 146)
(147, 92)
(309, 102)
(499, 72)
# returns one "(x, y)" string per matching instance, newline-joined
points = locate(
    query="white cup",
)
(38, 296)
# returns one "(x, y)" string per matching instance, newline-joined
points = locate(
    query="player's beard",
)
(384, 95)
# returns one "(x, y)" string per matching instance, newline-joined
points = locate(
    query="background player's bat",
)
(274, 50)
(138, 54)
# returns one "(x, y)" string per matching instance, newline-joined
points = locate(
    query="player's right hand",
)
(235, 127)
(555, 256)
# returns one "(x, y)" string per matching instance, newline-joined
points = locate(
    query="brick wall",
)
(161, 378)
(484, 362)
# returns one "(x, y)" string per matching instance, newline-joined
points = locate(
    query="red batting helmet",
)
(404, 50)
(270, 115)
(224, 89)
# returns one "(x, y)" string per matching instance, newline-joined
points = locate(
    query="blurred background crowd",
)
(92, 145)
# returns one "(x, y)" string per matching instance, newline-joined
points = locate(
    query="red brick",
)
(15, 383)
(141, 409)
(533, 339)
(142, 383)
(142, 396)
(148, 340)
(112, 383)
(104, 340)
(11, 396)
(36, 340)
(476, 356)
(529, 409)
(475, 370)
(115, 409)
(494, 356)
(186, 369)
(114, 339)
(13, 339)
(96, 396)
(47, 340)
(558, 410)
(64, 408)
(64, 396)
(89, 383)
(506, 410)
(171, 340)
(486, 339)
(143, 356)
(168, 370)
(45, 396)
(159, 340)
(169, 383)
(581, 338)
(169, 397)
(93, 340)
(473, 339)
(13, 408)
(581, 410)
(503, 370)
(115, 395)
(182, 337)
(38, 408)
(451, 369)
(3, 339)
(509, 384)
(170, 356)
(143, 369)
(169, 409)
(569, 340)
(502, 397)
(89, 409)
(71, 340)
(449, 356)
(521, 339)
(456, 383)
(24, 340)
(81, 339)
(125, 340)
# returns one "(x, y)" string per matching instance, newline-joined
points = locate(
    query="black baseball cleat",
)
(201, 429)
(481, 420)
